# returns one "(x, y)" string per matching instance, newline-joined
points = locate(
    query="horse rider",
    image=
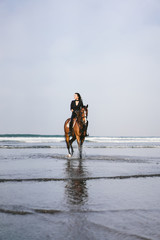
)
(76, 105)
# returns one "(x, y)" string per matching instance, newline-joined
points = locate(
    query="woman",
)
(75, 106)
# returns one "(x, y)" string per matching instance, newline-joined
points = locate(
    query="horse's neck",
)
(79, 119)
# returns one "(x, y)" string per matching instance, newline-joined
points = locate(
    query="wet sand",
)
(109, 194)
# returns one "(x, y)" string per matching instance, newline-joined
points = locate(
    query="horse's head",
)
(84, 114)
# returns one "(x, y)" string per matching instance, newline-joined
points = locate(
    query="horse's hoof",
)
(69, 155)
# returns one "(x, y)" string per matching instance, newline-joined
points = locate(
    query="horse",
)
(79, 130)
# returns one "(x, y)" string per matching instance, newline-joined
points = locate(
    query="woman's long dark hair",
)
(80, 99)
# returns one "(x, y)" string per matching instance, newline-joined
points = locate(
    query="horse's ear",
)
(87, 106)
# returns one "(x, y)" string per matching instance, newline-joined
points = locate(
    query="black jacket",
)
(74, 107)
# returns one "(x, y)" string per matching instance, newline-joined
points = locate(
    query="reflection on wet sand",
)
(76, 187)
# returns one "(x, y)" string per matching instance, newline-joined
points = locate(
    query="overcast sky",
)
(107, 50)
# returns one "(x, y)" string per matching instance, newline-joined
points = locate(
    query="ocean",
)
(111, 193)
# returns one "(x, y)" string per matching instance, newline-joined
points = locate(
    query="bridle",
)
(83, 116)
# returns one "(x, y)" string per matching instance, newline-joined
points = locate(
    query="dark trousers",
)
(71, 122)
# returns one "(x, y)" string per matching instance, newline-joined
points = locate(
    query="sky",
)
(107, 50)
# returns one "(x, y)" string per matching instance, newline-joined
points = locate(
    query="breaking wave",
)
(58, 141)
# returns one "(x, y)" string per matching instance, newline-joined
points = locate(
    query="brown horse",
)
(79, 130)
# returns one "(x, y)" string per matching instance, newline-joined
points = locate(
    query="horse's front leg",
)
(79, 146)
(80, 151)
(70, 143)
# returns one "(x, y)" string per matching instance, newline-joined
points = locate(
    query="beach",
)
(111, 193)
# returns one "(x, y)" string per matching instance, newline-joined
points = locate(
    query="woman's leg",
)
(71, 122)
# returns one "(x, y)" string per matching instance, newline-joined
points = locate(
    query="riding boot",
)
(87, 134)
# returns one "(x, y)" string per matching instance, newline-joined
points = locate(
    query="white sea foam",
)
(32, 139)
(107, 141)
(124, 139)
